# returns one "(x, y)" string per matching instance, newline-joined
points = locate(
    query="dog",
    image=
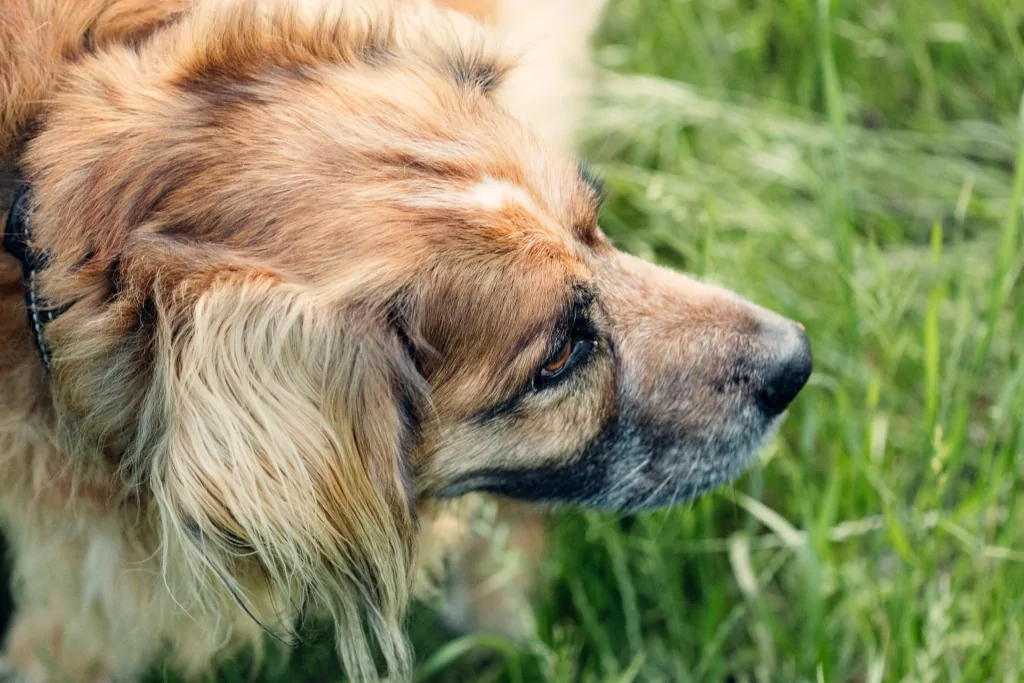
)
(279, 277)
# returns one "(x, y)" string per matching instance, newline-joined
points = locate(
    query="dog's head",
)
(317, 273)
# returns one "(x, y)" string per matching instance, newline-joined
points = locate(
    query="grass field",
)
(853, 166)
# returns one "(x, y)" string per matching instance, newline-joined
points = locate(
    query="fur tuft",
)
(248, 468)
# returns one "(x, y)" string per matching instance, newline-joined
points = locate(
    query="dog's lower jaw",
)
(666, 481)
(629, 468)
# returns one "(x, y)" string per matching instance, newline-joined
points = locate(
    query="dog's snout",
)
(787, 371)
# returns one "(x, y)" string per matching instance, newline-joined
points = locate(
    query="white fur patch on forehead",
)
(493, 193)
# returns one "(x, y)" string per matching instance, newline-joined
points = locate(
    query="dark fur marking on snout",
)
(575, 481)
(636, 462)
(578, 479)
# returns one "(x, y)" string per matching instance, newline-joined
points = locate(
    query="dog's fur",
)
(314, 256)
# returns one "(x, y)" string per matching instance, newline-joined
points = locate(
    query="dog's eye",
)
(556, 365)
(580, 342)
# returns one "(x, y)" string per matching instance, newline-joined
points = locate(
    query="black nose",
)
(786, 377)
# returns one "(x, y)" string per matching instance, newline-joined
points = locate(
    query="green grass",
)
(852, 166)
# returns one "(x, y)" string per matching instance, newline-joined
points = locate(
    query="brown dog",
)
(292, 271)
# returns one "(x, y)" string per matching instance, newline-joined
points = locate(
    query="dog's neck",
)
(43, 29)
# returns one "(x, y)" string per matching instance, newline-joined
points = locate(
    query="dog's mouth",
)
(685, 470)
(633, 464)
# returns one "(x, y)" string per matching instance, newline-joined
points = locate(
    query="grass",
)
(851, 165)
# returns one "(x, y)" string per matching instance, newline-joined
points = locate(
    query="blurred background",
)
(855, 166)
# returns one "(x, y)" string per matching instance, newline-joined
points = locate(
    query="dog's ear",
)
(285, 425)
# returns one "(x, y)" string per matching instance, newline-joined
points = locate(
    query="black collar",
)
(17, 241)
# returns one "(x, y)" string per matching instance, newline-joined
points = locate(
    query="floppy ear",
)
(288, 421)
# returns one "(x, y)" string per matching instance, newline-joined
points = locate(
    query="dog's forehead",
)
(563, 204)
(512, 247)
(510, 188)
